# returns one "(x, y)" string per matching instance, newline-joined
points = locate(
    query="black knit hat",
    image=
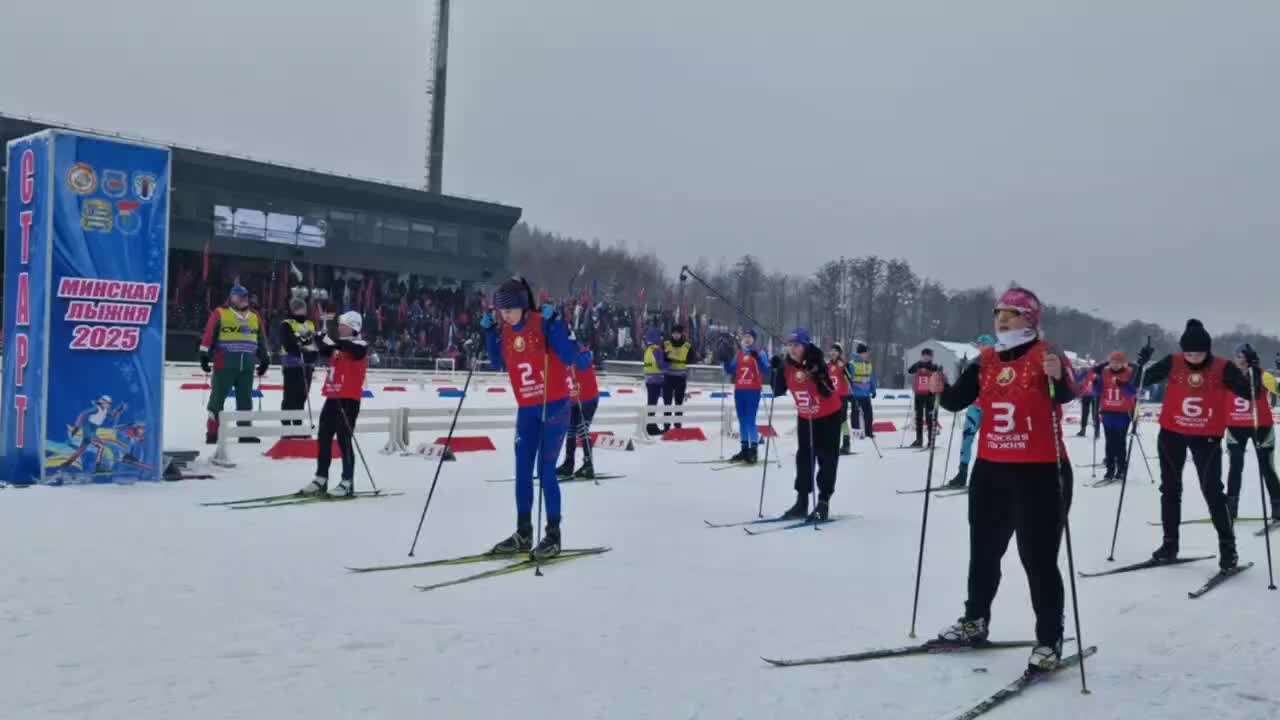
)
(514, 294)
(1195, 338)
(862, 347)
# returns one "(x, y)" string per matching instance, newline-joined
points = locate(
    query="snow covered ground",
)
(136, 602)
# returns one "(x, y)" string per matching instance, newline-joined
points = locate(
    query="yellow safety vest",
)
(861, 371)
(236, 334)
(678, 357)
(651, 362)
(299, 328)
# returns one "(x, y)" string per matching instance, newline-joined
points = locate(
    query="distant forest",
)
(882, 302)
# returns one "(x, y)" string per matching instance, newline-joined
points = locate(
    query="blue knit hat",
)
(238, 291)
(986, 340)
(799, 336)
(513, 294)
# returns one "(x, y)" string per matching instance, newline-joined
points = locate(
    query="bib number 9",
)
(1242, 405)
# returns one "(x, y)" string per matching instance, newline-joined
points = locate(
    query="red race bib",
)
(1115, 398)
(525, 354)
(1195, 402)
(1017, 414)
(810, 404)
(748, 376)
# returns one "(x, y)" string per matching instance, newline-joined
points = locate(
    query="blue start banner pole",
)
(86, 251)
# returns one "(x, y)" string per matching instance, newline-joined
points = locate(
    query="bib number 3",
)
(1003, 418)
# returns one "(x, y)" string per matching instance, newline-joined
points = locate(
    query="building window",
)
(447, 240)
(395, 232)
(422, 236)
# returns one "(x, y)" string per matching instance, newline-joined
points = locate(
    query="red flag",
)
(205, 276)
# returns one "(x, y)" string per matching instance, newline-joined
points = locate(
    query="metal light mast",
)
(436, 80)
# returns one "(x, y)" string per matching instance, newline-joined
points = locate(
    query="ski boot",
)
(1228, 559)
(520, 541)
(965, 631)
(586, 472)
(800, 510)
(821, 511)
(346, 488)
(211, 431)
(565, 470)
(1045, 658)
(845, 449)
(318, 486)
(1233, 506)
(548, 547)
(752, 457)
(919, 443)
(962, 477)
(1168, 551)
(741, 457)
(249, 440)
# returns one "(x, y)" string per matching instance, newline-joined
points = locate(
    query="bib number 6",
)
(1192, 408)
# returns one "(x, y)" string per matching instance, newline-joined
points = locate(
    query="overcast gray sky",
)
(1118, 155)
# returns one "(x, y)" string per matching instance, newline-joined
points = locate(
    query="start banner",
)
(86, 252)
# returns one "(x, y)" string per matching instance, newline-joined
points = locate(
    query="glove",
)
(204, 363)
(548, 311)
(1250, 355)
(1144, 355)
(486, 320)
(873, 394)
(775, 363)
(263, 363)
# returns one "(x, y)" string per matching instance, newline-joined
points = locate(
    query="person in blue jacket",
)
(749, 369)
(534, 345)
(972, 422)
(862, 380)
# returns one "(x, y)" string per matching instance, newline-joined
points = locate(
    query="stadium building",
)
(407, 258)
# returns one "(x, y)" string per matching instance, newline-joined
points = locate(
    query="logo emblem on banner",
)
(82, 179)
(1006, 376)
(518, 344)
(115, 184)
(1195, 380)
(128, 218)
(96, 216)
(144, 186)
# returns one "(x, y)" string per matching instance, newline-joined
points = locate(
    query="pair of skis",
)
(940, 491)
(1268, 527)
(525, 563)
(1214, 581)
(269, 501)
(934, 647)
(771, 525)
(571, 479)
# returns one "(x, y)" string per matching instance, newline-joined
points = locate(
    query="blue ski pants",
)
(529, 431)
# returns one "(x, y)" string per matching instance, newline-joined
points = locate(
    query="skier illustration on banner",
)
(97, 441)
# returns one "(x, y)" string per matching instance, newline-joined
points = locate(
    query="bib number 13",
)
(1003, 419)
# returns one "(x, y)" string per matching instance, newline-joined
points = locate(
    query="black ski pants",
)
(860, 415)
(1265, 446)
(1089, 404)
(337, 419)
(580, 416)
(673, 390)
(1023, 500)
(1206, 453)
(820, 441)
(924, 413)
(654, 391)
(297, 383)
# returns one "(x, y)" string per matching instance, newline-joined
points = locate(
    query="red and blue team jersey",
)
(1195, 402)
(748, 376)
(1117, 393)
(525, 354)
(1018, 416)
(810, 404)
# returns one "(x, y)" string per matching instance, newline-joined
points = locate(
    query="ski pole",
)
(448, 440)
(685, 271)
(813, 472)
(924, 526)
(1066, 527)
(946, 461)
(723, 424)
(302, 359)
(1262, 493)
(1093, 465)
(767, 439)
(351, 432)
(876, 445)
(1142, 449)
(1124, 476)
(542, 438)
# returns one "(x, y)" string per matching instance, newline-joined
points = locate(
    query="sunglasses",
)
(1003, 313)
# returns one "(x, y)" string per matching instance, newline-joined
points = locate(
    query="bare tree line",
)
(882, 302)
